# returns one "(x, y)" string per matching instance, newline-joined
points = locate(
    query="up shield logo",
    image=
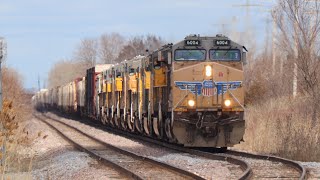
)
(208, 88)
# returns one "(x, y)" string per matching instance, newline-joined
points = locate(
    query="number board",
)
(222, 42)
(192, 42)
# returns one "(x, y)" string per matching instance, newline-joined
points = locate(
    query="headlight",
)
(208, 70)
(191, 103)
(227, 102)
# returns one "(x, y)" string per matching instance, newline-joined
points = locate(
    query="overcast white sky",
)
(41, 32)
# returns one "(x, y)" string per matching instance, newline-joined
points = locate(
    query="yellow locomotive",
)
(189, 93)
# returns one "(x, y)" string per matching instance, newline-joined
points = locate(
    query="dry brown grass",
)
(16, 110)
(8, 138)
(283, 127)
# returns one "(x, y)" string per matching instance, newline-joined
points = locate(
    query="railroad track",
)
(135, 166)
(257, 166)
(272, 166)
(244, 167)
(254, 166)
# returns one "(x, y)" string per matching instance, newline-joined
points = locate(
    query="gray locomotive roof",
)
(208, 42)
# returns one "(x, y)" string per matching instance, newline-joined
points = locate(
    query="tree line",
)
(109, 48)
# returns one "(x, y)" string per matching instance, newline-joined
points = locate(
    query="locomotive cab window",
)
(225, 54)
(131, 71)
(118, 74)
(190, 54)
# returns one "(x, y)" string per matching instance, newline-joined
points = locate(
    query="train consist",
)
(190, 93)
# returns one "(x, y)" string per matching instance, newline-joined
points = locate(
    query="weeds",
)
(8, 126)
(284, 127)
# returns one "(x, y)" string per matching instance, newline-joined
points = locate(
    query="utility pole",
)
(223, 27)
(247, 5)
(234, 33)
(273, 38)
(39, 87)
(3, 53)
(44, 84)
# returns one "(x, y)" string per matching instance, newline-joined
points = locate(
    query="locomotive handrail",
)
(187, 93)
(236, 99)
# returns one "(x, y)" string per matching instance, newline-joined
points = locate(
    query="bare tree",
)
(299, 25)
(127, 52)
(86, 52)
(138, 46)
(110, 47)
(152, 42)
(13, 92)
(64, 71)
(12, 84)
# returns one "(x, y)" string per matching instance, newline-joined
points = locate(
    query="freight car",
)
(190, 93)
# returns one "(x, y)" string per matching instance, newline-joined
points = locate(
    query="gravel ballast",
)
(54, 158)
(209, 169)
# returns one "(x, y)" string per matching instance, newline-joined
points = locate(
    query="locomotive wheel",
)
(104, 119)
(102, 116)
(111, 122)
(130, 123)
(98, 117)
(158, 127)
(111, 117)
(158, 123)
(147, 124)
(81, 113)
(168, 129)
(138, 124)
(123, 122)
(223, 149)
(117, 116)
(117, 121)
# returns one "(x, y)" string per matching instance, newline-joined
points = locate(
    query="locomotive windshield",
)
(190, 54)
(225, 54)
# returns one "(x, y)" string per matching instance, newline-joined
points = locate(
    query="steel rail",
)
(128, 153)
(96, 156)
(291, 163)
